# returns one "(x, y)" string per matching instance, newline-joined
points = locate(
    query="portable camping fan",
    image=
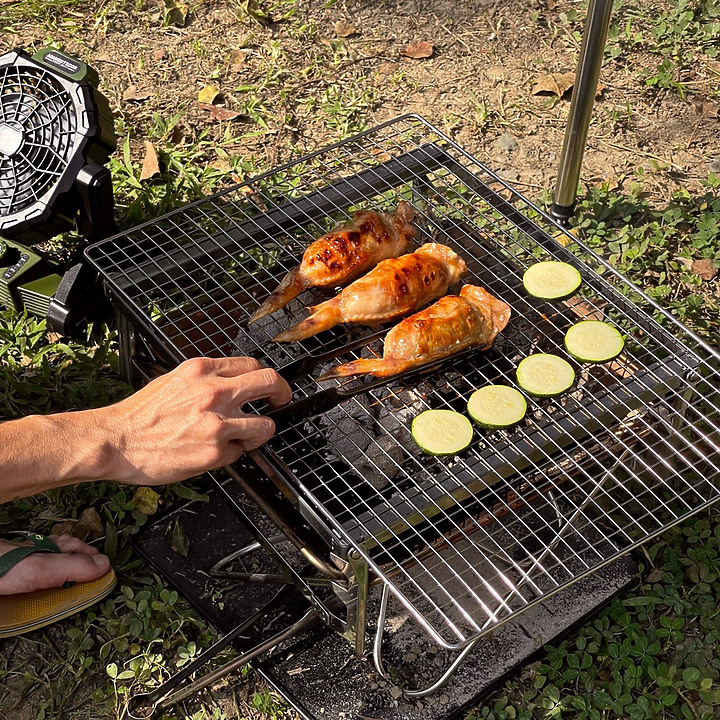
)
(56, 133)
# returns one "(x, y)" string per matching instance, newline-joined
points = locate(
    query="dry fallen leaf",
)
(176, 12)
(237, 58)
(252, 194)
(418, 50)
(381, 154)
(611, 180)
(177, 135)
(343, 29)
(151, 163)
(554, 83)
(582, 308)
(704, 269)
(89, 524)
(221, 164)
(562, 238)
(209, 94)
(706, 109)
(220, 113)
(623, 367)
(136, 94)
(177, 537)
(63, 528)
(146, 500)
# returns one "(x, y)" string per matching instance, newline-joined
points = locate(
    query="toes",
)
(71, 544)
(41, 571)
(55, 570)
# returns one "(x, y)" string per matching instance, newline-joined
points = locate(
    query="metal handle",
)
(295, 369)
(149, 703)
(325, 400)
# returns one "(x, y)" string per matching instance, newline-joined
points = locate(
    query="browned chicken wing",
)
(344, 254)
(451, 324)
(393, 289)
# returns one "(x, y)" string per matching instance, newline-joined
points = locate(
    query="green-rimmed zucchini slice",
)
(552, 280)
(442, 432)
(497, 406)
(594, 341)
(545, 375)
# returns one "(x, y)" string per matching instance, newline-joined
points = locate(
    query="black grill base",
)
(318, 674)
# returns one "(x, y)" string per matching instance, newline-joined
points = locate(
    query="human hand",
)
(191, 420)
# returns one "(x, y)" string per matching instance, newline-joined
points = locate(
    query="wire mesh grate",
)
(463, 542)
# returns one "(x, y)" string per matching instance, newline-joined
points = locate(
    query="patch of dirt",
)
(303, 80)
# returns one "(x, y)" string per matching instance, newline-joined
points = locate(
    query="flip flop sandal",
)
(29, 611)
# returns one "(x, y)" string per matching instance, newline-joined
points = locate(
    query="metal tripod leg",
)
(581, 105)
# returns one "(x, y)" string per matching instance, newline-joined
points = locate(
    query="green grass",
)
(652, 654)
(680, 36)
(649, 655)
(650, 244)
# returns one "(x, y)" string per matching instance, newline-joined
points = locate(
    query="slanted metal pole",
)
(581, 105)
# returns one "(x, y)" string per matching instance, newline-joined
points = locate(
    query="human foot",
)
(76, 562)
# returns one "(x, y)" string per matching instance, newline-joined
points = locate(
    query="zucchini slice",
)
(442, 432)
(545, 375)
(552, 280)
(497, 406)
(593, 341)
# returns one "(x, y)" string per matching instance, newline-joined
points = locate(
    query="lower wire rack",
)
(464, 543)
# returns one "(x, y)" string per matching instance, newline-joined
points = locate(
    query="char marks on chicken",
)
(394, 288)
(344, 254)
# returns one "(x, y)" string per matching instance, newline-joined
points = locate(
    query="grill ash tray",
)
(318, 674)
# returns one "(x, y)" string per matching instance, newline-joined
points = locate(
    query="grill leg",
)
(380, 666)
(126, 343)
(354, 595)
(581, 105)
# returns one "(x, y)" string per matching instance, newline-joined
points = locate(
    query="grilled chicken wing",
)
(394, 288)
(345, 253)
(451, 324)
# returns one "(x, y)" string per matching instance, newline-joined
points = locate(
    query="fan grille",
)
(37, 132)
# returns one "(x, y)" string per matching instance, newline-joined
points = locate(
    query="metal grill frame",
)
(687, 356)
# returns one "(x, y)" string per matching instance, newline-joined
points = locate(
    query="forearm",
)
(38, 453)
(179, 425)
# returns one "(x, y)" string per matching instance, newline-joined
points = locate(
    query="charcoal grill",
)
(463, 544)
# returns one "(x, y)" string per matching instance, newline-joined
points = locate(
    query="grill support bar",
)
(380, 665)
(581, 107)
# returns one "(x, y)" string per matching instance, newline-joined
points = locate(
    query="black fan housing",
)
(53, 124)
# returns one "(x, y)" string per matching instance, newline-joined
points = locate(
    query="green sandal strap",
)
(40, 544)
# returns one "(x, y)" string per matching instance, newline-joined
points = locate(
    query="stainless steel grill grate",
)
(464, 543)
